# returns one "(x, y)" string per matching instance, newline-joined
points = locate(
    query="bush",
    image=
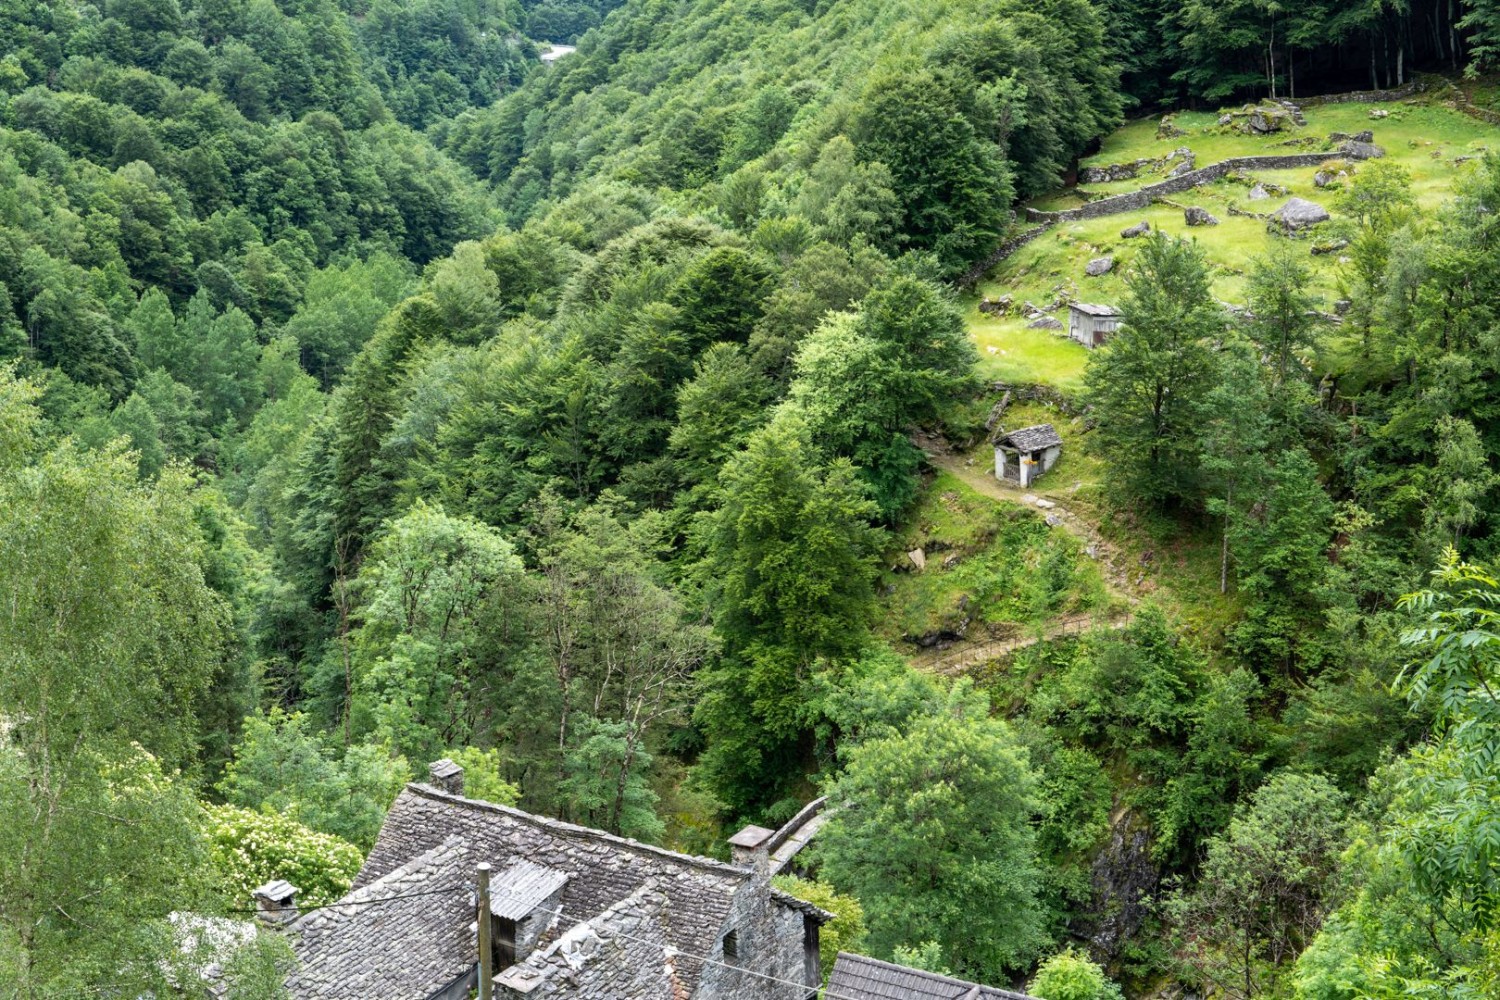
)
(1069, 975)
(251, 848)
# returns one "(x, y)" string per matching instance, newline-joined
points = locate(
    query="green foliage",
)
(250, 848)
(1150, 382)
(790, 564)
(1265, 885)
(845, 932)
(865, 380)
(606, 780)
(932, 836)
(280, 765)
(109, 635)
(1069, 975)
(428, 591)
(482, 775)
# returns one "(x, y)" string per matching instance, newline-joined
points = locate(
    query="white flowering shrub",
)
(251, 848)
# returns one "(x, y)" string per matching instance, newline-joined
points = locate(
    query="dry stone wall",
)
(1135, 201)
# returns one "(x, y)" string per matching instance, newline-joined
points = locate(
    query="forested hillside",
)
(371, 392)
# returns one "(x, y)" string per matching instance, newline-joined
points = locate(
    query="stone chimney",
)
(447, 776)
(749, 848)
(276, 903)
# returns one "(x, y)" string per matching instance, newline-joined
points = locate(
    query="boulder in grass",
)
(1226, 119)
(1259, 193)
(1139, 229)
(1365, 136)
(1196, 216)
(1356, 150)
(1099, 267)
(1379, 113)
(1044, 323)
(1299, 214)
(1322, 179)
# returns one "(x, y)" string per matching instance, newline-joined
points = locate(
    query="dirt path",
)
(961, 657)
(982, 481)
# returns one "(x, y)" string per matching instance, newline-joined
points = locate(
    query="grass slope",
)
(1429, 139)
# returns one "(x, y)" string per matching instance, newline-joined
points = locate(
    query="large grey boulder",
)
(1365, 136)
(1356, 150)
(1099, 266)
(1196, 216)
(1044, 323)
(1299, 214)
(1139, 229)
(1322, 179)
(1259, 193)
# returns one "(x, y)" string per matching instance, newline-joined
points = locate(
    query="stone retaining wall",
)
(1004, 250)
(1363, 96)
(1135, 201)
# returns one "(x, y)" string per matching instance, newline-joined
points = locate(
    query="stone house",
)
(1022, 455)
(1092, 325)
(856, 977)
(575, 913)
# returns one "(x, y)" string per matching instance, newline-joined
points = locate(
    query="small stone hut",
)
(1092, 325)
(1021, 456)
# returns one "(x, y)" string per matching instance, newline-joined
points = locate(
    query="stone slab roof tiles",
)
(1032, 438)
(432, 841)
(383, 940)
(857, 977)
(1089, 309)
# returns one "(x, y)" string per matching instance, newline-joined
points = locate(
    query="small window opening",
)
(732, 945)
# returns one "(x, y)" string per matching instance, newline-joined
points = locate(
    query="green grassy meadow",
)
(1427, 138)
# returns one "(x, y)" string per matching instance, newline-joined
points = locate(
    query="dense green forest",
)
(371, 392)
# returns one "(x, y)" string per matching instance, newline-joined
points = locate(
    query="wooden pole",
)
(486, 949)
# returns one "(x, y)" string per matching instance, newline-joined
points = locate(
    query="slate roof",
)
(402, 948)
(857, 977)
(431, 842)
(1089, 309)
(1031, 438)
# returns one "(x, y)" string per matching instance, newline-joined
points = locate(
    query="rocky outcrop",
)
(1139, 229)
(1194, 215)
(1297, 215)
(1356, 150)
(1044, 323)
(1099, 267)
(996, 307)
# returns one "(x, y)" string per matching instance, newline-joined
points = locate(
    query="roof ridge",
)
(571, 829)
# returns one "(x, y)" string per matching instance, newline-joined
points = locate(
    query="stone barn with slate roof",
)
(856, 977)
(1022, 455)
(1092, 325)
(575, 913)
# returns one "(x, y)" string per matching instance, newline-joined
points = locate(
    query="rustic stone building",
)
(1092, 325)
(575, 913)
(1022, 455)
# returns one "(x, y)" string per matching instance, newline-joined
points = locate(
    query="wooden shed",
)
(1092, 325)
(1021, 456)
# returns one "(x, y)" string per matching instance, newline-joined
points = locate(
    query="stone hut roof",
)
(1089, 309)
(1031, 438)
(432, 841)
(857, 977)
